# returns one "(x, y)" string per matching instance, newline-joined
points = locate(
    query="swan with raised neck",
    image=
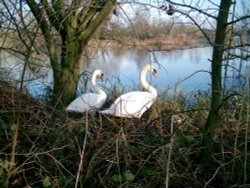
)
(98, 74)
(145, 84)
(89, 102)
(135, 103)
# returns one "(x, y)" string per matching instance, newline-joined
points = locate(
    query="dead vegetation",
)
(159, 43)
(42, 148)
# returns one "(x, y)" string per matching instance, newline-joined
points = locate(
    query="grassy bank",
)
(41, 147)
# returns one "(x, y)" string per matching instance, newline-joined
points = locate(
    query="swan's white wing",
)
(132, 104)
(86, 102)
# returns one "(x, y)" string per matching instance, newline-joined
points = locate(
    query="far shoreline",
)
(162, 43)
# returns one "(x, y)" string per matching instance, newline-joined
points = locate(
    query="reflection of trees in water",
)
(115, 63)
(194, 55)
(122, 67)
(141, 58)
(236, 75)
(37, 66)
(107, 61)
(35, 74)
(138, 57)
(112, 61)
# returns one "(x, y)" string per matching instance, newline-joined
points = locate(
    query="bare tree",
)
(213, 120)
(66, 27)
(220, 45)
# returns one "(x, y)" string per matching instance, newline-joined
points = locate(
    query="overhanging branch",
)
(238, 20)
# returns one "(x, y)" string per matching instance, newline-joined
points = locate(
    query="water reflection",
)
(173, 67)
(37, 77)
(122, 68)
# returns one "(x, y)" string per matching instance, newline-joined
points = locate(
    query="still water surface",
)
(174, 68)
(122, 68)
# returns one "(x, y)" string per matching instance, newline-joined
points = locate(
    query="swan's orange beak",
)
(154, 73)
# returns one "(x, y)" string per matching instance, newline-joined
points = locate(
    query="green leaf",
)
(6, 164)
(146, 171)
(116, 178)
(189, 138)
(167, 146)
(13, 127)
(47, 182)
(129, 175)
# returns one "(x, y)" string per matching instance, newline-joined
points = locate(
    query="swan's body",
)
(134, 104)
(89, 102)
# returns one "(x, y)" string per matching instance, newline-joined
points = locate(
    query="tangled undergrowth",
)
(41, 147)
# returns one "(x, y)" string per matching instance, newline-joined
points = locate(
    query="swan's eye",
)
(154, 72)
(101, 76)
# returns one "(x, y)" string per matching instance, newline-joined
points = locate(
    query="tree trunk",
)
(213, 120)
(65, 82)
(75, 24)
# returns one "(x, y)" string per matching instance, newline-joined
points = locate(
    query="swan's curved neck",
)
(98, 90)
(145, 84)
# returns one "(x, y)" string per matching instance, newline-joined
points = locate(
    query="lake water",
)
(188, 70)
(173, 68)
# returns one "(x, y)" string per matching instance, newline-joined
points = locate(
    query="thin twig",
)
(83, 151)
(117, 152)
(15, 136)
(38, 153)
(247, 124)
(60, 164)
(217, 170)
(237, 136)
(170, 151)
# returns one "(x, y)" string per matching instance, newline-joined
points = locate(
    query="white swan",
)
(134, 104)
(90, 101)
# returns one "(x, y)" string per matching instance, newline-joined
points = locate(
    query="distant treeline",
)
(143, 29)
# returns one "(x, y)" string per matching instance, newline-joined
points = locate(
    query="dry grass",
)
(41, 148)
(159, 43)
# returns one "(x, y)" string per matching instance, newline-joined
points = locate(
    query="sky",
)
(129, 10)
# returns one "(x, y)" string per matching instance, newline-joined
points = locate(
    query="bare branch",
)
(239, 19)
